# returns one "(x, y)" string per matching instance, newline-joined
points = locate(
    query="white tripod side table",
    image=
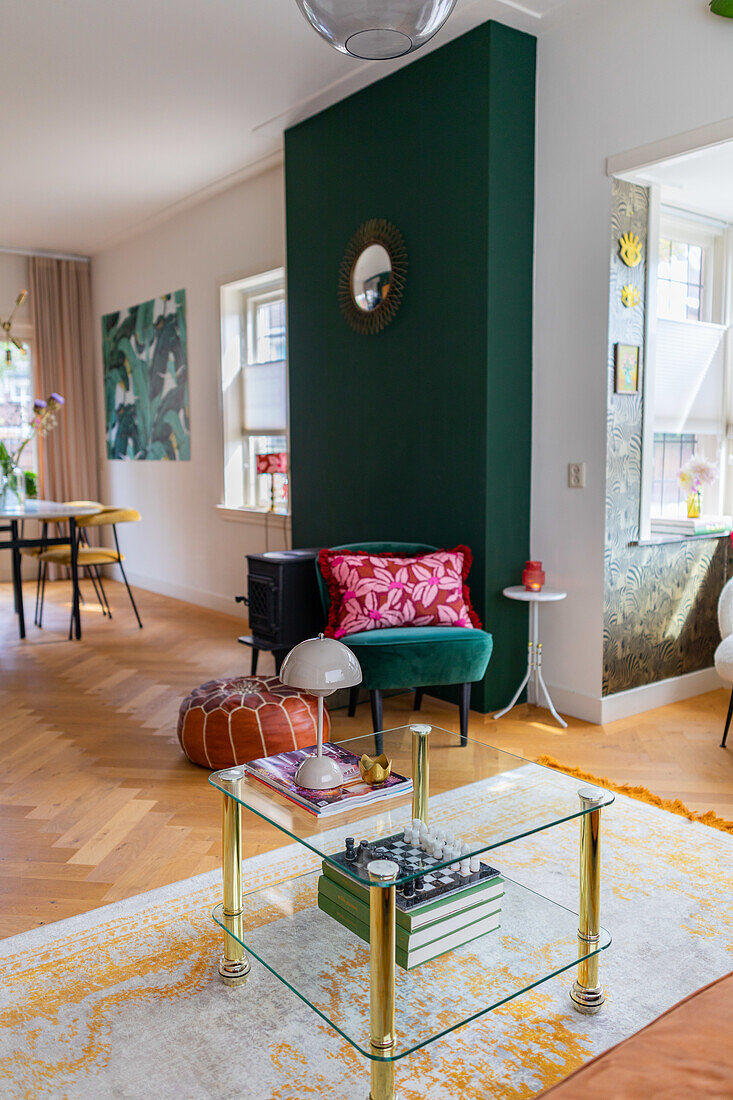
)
(534, 680)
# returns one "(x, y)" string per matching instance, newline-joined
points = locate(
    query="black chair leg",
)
(38, 592)
(98, 594)
(353, 700)
(103, 591)
(464, 705)
(129, 593)
(279, 655)
(375, 698)
(124, 576)
(727, 721)
(43, 594)
(255, 658)
(419, 692)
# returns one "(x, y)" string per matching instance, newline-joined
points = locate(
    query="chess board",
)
(436, 884)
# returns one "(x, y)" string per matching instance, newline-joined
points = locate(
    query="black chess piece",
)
(350, 849)
(364, 851)
(408, 888)
(419, 882)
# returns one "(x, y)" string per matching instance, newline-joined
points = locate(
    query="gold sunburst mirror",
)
(372, 276)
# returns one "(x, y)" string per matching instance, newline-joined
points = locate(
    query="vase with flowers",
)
(15, 483)
(696, 473)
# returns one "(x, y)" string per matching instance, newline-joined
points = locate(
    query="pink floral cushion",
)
(373, 591)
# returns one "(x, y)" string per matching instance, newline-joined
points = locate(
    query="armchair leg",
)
(375, 697)
(353, 700)
(419, 692)
(727, 721)
(464, 705)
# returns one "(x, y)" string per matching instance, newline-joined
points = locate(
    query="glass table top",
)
(327, 966)
(484, 796)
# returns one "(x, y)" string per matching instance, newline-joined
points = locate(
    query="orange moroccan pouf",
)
(226, 722)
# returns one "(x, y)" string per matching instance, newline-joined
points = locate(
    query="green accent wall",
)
(422, 432)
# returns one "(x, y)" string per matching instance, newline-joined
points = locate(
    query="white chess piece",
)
(465, 867)
(475, 864)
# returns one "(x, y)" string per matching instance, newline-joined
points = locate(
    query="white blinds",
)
(266, 396)
(689, 382)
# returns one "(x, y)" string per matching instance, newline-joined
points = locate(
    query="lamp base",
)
(319, 773)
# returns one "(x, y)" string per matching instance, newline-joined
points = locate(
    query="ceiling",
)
(699, 181)
(117, 114)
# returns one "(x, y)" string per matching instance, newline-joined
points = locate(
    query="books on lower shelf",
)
(278, 773)
(701, 525)
(414, 948)
(354, 895)
(421, 933)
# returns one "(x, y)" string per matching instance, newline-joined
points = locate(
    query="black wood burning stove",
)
(283, 601)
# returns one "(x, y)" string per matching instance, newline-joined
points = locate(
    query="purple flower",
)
(56, 399)
(39, 403)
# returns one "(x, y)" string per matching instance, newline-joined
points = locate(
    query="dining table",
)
(13, 518)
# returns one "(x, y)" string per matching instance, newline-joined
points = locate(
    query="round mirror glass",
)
(371, 277)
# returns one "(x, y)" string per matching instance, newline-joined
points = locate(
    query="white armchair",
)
(724, 652)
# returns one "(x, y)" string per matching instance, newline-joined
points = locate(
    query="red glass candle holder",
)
(533, 576)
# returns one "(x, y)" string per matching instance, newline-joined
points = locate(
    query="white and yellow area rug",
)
(124, 1003)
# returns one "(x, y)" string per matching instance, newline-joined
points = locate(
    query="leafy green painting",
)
(146, 380)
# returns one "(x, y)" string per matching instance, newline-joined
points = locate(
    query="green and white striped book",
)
(407, 955)
(441, 925)
(474, 894)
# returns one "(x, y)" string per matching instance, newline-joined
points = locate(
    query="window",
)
(254, 393)
(16, 400)
(671, 452)
(679, 280)
(684, 396)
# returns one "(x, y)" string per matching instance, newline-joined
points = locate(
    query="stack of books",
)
(423, 932)
(278, 773)
(703, 525)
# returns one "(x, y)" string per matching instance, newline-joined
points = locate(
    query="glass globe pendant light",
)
(376, 30)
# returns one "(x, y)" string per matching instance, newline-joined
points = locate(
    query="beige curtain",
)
(61, 301)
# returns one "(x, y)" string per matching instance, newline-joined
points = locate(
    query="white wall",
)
(185, 547)
(611, 77)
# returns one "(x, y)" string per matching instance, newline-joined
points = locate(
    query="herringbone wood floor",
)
(97, 802)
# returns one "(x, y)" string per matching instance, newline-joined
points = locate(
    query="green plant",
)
(31, 484)
(722, 7)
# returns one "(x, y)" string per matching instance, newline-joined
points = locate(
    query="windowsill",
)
(657, 540)
(259, 517)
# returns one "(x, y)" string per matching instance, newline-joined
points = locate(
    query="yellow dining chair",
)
(89, 557)
(36, 551)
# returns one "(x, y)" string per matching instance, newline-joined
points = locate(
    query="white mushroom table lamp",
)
(321, 666)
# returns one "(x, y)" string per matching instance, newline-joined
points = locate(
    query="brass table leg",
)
(381, 973)
(586, 994)
(420, 771)
(233, 965)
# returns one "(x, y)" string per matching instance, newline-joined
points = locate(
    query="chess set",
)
(419, 851)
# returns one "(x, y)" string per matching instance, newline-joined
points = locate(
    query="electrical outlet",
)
(576, 475)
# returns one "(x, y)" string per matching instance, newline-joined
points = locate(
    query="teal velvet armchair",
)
(413, 657)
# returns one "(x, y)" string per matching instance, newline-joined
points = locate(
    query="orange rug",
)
(673, 805)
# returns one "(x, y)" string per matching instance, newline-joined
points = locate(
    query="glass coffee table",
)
(484, 795)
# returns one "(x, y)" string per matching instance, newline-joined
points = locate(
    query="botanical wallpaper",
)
(660, 605)
(146, 380)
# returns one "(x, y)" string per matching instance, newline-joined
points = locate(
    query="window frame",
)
(716, 240)
(238, 298)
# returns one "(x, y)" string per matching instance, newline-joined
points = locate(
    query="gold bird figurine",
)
(375, 771)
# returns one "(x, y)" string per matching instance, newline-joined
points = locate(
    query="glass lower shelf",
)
(327, 966)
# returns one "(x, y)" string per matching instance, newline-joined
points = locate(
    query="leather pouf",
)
(227, 722)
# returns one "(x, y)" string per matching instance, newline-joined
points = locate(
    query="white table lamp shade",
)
(321, 666)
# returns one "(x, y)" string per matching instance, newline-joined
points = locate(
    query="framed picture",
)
(146, 380)
(627, 368)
